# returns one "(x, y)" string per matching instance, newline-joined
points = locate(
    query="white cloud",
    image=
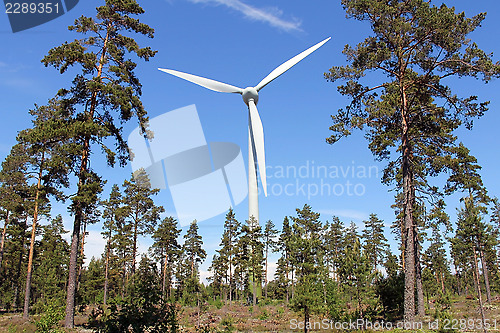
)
(271, 270)
(204, 275)
(94, 245)
(271, 16)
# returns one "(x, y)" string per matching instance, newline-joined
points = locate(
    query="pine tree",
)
(333, 240)
(192, 255)
(92, 282)
(48, 166)
(285, 263)
(51, 266)
(308, 253)
(356, 270)
(241, 273)
(375, 244)
(142, 213)
(270, 246)
(13, 190)
(251, 235)
(468, 240)
(417, 46)
(193, 249)
(114, 218)
(228, 250)
(106, 85)
(219, 269)
(14, 265)
(166, 250)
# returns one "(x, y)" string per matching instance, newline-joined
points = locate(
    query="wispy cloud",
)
(11, 67)
(272, 16)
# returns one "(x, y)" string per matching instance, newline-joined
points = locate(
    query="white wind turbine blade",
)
(289, 64)
(204, 82)
(257, 134)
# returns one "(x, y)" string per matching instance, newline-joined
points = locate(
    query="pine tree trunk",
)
(73, 265)
(486, 276)
(409, 235)
(287, 278)
(442, 283)
(134, 249)
(164, 280)
(82, 253)
(69, 319)
(27, 291)
(306, 319)
(420, 288)
(124, 273)
(4, 232)
(254, 298)
(265, 276)
(106, 271)
(15, 301)
(478, 288)
(230, 279)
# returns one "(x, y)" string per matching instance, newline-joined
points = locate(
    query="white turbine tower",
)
(255, 130)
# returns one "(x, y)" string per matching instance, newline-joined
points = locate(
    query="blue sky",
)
(239, 42)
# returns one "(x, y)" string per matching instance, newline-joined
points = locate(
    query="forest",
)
(331, 275)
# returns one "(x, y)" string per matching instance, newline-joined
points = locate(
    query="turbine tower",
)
(256, 154)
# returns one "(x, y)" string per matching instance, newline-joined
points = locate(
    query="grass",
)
(268, 318)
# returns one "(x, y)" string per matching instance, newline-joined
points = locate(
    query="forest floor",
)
(464, 317)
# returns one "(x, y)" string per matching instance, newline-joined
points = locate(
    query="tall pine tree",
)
(106, 89)
(412, 113)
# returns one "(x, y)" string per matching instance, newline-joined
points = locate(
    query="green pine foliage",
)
(410, 114)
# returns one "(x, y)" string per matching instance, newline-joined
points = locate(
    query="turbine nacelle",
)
(250, 93)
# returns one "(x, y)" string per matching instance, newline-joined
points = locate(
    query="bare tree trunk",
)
(254, 298)
(27, 291)
(478, 287)
(420, 288)
(73, 265)
(230, 278)
(265, 276)
(287, 278)
(164, 279)
(442, 283)
(2, 243)
(82, 254)
(486, 276)
(16, 285)
(124, 275)
(409, 235)
(106, 271)
(306, 319)
(15, 301)
(134, 249)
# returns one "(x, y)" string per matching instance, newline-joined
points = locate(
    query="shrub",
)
(50, 319)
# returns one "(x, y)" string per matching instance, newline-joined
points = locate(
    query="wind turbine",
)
(255, 130)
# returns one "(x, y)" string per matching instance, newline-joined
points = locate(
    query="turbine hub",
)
(250, 93)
